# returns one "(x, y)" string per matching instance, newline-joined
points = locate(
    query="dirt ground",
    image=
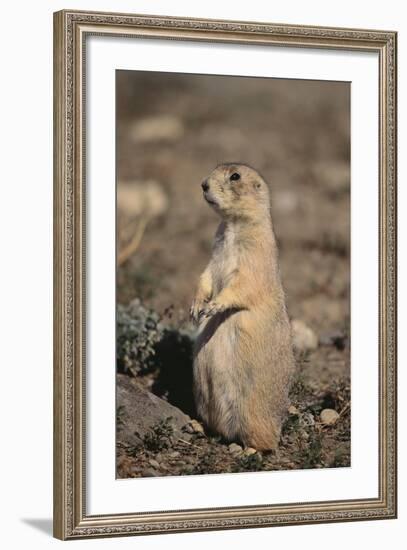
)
(172, 130)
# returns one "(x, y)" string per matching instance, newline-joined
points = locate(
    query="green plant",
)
(311, 455)
(119, 416)
(159, 436)
(138, 331)
(251, 463)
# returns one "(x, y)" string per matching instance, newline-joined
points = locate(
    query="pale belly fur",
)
(222, 378)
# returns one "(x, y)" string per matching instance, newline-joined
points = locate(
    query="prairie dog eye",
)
(235, 176)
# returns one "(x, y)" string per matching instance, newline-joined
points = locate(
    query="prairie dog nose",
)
(205, 185)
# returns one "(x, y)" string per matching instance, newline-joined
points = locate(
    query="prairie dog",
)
(243, 359)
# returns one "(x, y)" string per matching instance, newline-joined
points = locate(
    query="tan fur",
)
(243, 359)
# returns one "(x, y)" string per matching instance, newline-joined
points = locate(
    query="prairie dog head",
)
(236, 191)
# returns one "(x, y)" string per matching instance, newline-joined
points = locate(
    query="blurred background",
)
(173, 129)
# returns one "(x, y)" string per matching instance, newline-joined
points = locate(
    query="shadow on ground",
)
(40, 524)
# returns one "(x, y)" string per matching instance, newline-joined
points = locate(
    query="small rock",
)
(157, 128)
(329, 417)
(174, 454)
(194, 427)
(249, 451)
(145, 198)
(141, 410)
(304, 338)
(154, 463)
(122, 461)
(286, 201)
(334, 175)
(149, 472)
(285, 460)
(293, 410)
(337, 339)
(235, 449)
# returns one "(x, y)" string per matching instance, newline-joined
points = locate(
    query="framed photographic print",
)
(225, 274)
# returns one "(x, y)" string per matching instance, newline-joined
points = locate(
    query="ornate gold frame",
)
(70, 31)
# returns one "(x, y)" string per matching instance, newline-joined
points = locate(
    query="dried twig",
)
(187, 443)
(131, 248)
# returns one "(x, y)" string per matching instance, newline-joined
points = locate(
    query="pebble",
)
(304, 338)
(285, 460)
(286, 201)
(154, 463)
(174, 454)
(145, 198)
(337, 339)
(235, 449)
(249, 451)
(157, 128)
(293, 410)
(329, 417)
(335, 175)
(149, 472)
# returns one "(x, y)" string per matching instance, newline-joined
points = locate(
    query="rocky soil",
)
(157, 430)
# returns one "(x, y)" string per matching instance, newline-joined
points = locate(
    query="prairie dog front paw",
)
(212, 308)
(197, 308)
